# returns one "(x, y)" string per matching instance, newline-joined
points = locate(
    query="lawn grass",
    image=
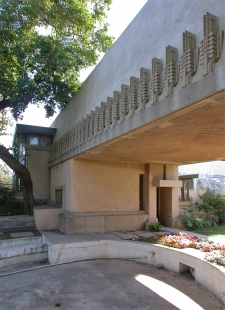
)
(218, 231)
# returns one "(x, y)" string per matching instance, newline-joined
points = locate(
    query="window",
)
(39, 139)
(45, 140)
(33, 140)
(58, 196)
(186, 191)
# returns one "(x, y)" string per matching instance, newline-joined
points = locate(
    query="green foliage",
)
(8, 236)
(155, 227)
(5, 122)
(44, 45)
(6, 194)
(192, 221)
(213, 204)
(5, 174)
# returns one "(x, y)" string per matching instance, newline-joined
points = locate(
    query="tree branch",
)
(13, 163)
(5, 103)
(24, 175)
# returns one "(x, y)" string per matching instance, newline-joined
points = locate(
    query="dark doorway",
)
(141, 192)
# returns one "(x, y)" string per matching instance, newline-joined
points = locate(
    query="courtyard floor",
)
(104, 284)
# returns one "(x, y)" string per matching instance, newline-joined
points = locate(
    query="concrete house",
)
(155, 101)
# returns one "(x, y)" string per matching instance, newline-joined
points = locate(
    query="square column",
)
(163, 194)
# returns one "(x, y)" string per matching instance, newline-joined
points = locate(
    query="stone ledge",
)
(44, 207)
(166, 183)
(104, 213)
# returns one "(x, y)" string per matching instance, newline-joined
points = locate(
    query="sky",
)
(119, 17)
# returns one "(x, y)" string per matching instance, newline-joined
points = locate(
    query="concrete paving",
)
(104, 285)
(56, 237)
(100, 284)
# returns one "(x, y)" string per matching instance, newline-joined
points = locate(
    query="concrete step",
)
(17, 221)
(23, 254)
(16, 242)
(18, 229)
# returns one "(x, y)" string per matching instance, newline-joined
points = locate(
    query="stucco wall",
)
(38, 158)
(105, 186)
(159, 23)
(46, 217)
(61, 176)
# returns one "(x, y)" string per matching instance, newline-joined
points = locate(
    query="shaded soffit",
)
(22, 128)
(195, 133)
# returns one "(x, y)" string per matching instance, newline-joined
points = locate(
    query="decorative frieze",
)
(77, 128)
(116, 106)
(92, 125)
(109, 112)
(87, 127)
(170, 73)
(155, 83)
(143, 88)
(103, 116)
(133, 95)
(189, 58)
(79, 133)
(97, 121)
(69, 140)
(63, 148)
(144, 92)
(211, 44)
(83, 129)
(124, 107)
(72, 138)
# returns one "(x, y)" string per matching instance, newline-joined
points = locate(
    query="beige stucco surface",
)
(38, 158)
(105, 186)
(61, 176)
(104, 195)
(47, 219)
(94, 186)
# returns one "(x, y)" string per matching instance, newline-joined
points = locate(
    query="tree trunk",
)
(24, 175)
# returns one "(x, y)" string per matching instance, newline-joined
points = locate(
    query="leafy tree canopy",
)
(5, 122)
(43, 46)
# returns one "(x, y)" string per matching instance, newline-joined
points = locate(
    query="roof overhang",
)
(22, 129)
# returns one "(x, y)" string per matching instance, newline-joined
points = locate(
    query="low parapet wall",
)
(47, 217)
(210, 276)
(89, 222)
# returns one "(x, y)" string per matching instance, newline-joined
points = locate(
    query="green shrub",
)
(155, 227)
(213, 204)
(192, 221)
(6, 194)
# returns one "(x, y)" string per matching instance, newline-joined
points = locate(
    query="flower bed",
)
(215, 252)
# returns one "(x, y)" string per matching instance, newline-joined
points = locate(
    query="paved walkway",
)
(56, 237)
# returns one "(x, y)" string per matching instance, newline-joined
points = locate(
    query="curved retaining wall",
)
(208, 275)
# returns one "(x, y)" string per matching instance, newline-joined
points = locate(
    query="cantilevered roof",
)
(21, 128)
